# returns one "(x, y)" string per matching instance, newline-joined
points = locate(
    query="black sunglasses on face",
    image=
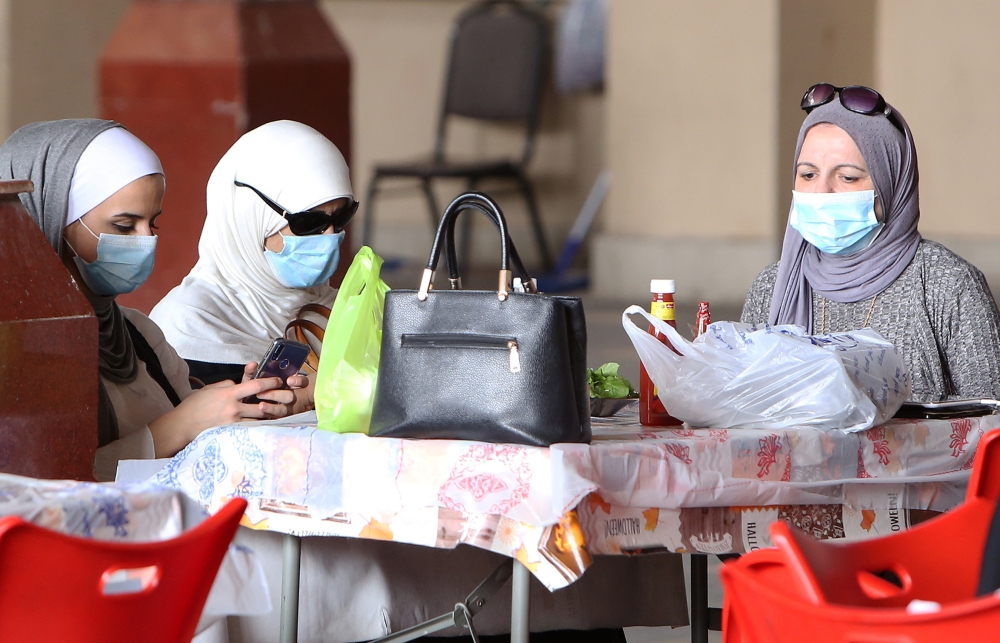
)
(856, 98)
(303, 224)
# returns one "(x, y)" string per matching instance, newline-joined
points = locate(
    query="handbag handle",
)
(319, 309)
(454, 279)
(300, 326)
(460, 203)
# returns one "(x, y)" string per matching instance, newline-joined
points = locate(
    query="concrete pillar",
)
(702, 115)
(48, 58)
(937, 62)
(826, 41)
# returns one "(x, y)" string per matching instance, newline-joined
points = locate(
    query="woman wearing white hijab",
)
(278, 202)
(98, 193)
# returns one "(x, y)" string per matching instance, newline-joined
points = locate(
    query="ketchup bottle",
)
(651, 410)
(703, 319)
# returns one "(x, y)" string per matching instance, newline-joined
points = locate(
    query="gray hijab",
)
(46, 153)
(892, 163)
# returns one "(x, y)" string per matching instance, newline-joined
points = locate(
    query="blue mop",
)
(562, 279)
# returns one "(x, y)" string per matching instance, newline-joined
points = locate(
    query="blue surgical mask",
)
(123, 262)
(306, 261)
(838, 223)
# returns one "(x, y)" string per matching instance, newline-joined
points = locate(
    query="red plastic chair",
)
(838, 591)
(55, 587)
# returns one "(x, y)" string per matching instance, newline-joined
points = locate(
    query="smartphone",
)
(284, 358)
(947, 410)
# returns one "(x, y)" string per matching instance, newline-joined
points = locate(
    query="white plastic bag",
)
(736, 376)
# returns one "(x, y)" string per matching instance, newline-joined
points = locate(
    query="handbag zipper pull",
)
(515, 357)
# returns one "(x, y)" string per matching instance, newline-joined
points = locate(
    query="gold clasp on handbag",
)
(426, 284)
(504, 289)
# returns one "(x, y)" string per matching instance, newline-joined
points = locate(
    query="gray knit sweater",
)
(939, 312)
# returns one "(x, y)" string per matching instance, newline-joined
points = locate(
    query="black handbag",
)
(485, 365)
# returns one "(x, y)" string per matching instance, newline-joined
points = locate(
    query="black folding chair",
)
(498, 50)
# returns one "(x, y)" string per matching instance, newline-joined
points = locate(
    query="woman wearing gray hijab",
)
(98, 192)
(853, 257)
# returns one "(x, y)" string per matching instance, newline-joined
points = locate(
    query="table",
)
(632, 490)
(135, 513)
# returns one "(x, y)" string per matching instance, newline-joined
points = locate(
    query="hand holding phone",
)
(284, 358)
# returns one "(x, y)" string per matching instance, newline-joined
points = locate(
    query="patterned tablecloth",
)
(135, 513)
(633, 489)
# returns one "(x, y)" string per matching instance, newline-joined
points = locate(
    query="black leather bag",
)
(492, 366)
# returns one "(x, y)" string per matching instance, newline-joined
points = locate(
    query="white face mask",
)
(837, 223)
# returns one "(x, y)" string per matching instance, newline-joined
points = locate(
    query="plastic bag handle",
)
(680, 344)
(461, 202)
(451, 256)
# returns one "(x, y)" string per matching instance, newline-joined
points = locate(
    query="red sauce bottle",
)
(651, 410)
(703, 319)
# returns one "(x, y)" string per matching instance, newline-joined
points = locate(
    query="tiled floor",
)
(607, 342)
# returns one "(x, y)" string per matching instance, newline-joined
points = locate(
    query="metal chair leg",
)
(464, 611)
(520, 604)
(699, 598)
(290, 562)
(431, 204)
(536, 220)
(369, 227)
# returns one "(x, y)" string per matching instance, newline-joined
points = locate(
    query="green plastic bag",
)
(348, 365)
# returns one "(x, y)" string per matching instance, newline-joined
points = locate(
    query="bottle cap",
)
(661, 285)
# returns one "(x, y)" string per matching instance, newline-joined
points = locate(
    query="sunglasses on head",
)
(855, 98)
(303, 224)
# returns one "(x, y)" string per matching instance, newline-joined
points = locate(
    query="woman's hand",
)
(216, 405)
(305, 393)
(302, 386)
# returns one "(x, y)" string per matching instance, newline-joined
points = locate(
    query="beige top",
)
(140, 402)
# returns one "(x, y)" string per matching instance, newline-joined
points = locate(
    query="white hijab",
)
(230, 306)
(115, 158)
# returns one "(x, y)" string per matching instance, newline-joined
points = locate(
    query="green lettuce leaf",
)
(606, 382)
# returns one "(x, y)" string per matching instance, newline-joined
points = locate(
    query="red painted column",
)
(189, 77)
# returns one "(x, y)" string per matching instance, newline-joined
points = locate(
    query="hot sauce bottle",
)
(651, 410)
(703, 320)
